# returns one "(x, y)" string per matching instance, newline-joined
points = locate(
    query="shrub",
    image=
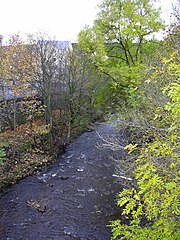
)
(153, 205)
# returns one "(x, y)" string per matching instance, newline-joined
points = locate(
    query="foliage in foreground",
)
(153, 205)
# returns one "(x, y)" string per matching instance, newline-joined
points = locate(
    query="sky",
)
(62, 19)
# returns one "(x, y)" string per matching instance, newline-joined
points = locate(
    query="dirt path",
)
(71, 199)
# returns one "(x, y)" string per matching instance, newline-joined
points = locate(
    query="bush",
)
(153, 205)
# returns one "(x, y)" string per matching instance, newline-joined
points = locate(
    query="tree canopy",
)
(119, 39)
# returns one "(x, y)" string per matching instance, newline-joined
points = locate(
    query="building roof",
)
(59, 44)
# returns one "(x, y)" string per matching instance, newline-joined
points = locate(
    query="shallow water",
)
(71, 199)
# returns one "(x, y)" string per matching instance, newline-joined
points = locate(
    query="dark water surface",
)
(71, 199)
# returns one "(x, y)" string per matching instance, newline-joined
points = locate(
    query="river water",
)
(74, 198)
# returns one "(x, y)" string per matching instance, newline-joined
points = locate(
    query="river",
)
(74, 198)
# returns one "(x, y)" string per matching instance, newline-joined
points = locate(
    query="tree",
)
(78, 89)
(46, 54)
(116, 43)
(16, 78)
(18, 100)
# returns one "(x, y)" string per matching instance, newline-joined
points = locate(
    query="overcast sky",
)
(63, 19)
